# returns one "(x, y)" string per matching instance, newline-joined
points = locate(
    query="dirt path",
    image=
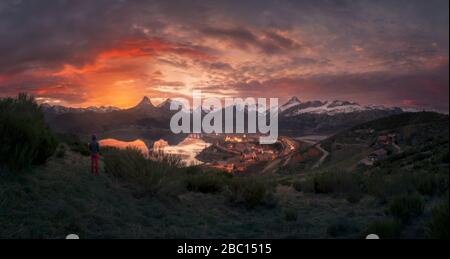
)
(324, 156)
(272, 166)
(399, 149)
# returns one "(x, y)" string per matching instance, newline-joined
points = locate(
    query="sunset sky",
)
(104, 52)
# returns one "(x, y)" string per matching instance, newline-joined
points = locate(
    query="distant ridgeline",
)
(295, 118)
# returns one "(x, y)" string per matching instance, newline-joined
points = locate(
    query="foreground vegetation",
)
(411, 186)
(156, 196)
(62, 197)
(25, 138)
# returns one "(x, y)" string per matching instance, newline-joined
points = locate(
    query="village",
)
(234, 153)
(384, 145)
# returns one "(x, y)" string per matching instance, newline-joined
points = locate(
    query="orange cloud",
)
(119, 75)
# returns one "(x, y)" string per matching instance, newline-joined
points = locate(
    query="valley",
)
(387, 176)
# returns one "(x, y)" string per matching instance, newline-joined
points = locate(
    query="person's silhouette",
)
(94, 148)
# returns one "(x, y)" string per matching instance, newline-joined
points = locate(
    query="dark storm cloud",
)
(425, 89)
(51, 33)
(384, 51)
(267, 42)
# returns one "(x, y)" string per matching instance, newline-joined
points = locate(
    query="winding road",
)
(316, 143)
(324, 156)
(289, 146)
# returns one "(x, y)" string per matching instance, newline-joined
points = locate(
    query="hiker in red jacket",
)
(94, 148)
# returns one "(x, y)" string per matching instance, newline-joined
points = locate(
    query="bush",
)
(353, 197)
(132, 166)
(385, 229)
(25, 138)
(438, 226)
(384, 187)
(169, 160)
(337, 182)
(206, 182)
(75, 144)
(290, 215)
(304, 186)
(61, 152)
(252, 191)
(428, 183)
(406, 207)
(341, 227)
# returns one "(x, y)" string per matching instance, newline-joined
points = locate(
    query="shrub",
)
(444, 157)
(385, 229)
(75, 144)
(353, 197)
(337, 182)
(304, 186)
(406, 207)
(132, 166)
(341, 227)
(290, 215)
(428, 183)
(298, 186)
(252, 191)
(438, 226)
(25, 138)
(61, 152)
(169, 160)
(384, 187)
(206, 182)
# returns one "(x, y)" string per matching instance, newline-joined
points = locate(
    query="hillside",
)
(326, 124)
(62, 197)
(400, 161)
(393, 134)
(47, 191)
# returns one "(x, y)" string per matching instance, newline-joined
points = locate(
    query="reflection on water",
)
(188, 149)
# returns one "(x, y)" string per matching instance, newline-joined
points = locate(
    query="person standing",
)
(94, 148)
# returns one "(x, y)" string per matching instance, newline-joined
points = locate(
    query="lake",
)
(187, 149)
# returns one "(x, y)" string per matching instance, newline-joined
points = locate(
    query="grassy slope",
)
(424, 139)
(62, 197)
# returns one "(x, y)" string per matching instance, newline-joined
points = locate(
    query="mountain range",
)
(293, 107)
(59, 109)
(295, 117)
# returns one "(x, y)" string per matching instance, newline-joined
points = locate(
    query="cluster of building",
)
(381, 149)
(245, 151)
(233, 139)
(386, 139)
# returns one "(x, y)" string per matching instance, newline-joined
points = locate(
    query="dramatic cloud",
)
(112, 52)
(268, 43)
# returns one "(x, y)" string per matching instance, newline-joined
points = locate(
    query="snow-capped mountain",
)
(102, 109)
(294, 101)
(328, 117)
(295, 108)
(58, 109)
